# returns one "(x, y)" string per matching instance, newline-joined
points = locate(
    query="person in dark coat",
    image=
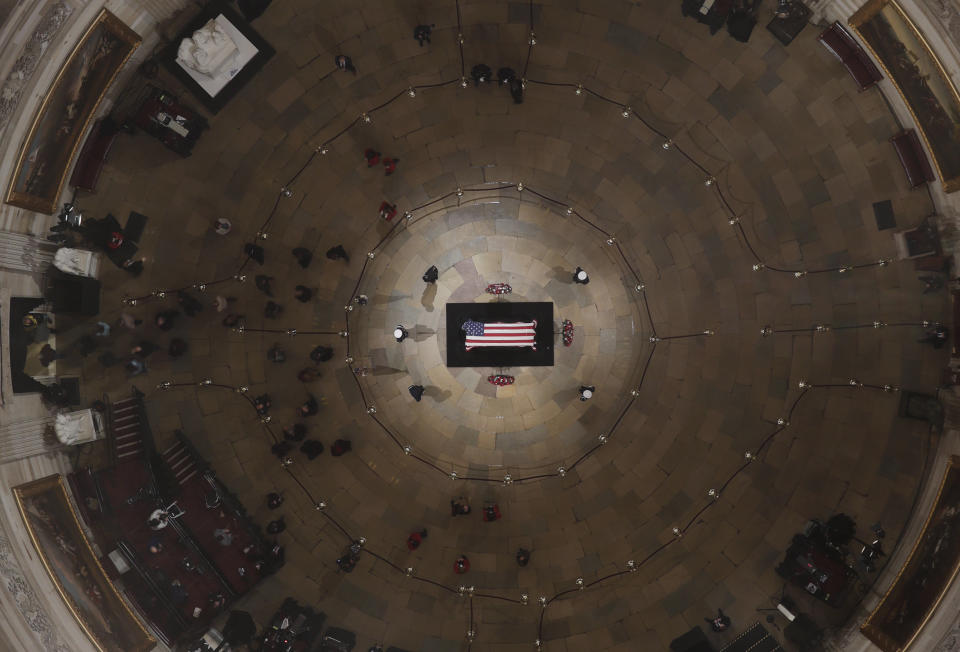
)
(343, 62)
(309, 407)
(431, 275)
(580, 276)
(165, 319)
(523, 557)
(422, 33)
(190, 304)
(254, 252)
(504, 75)
(481, 74)
(720, 623)
(340, 447)
(311, 448)
(516, 90)
(144, 349)
(262, 281)
(321, 353)
(303, 257)
(936, 337)
(302, 293)
(337, 253)
(276, 354)
(272, 310)
(262, 404)
(276, 527)
(308, 375)
(416, 391)
(48, 354)
(274, 500)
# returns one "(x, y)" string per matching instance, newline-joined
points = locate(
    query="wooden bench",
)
(836, 39)
(912, 158)
(89, 165)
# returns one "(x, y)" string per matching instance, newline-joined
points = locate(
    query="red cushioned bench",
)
(913, 158)
(836, 39)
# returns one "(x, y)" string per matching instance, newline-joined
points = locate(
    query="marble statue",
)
(208, 50)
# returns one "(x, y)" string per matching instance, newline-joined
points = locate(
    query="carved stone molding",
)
(26, 600)
(26, 65)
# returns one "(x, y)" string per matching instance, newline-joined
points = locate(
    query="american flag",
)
(500, 334)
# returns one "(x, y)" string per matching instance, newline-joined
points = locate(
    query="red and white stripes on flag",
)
(517, 334)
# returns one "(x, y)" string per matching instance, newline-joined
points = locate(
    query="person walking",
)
(303, 257)
(254, 252)
(481, 74)
(415, 539)
(164, 320)
(321, 353)
(190, 304)
(371, 156)
(460, 506)
(309, 407)
(343, 62)
(523, 557)
(337, 253)
(431, 275)
(276, 354)
(144, 349)
(422, 33)
(340, 447)
(586, 392)
(936, 337)
(461, 565)
(272, 310)
(274, 500)
(262, 404)
(262, 281)
(416, 391)
(311, 448)
(390, 165)
(302, 293)
(720, 623)
(129, 321)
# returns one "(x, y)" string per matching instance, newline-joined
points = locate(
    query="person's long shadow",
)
(429, 296)
(561, 274)
(436, 394)
(386, 371)
(422, 333)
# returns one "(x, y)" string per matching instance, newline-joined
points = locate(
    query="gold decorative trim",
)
(870, 630)
(54, 483)
(866, 13)
(47, 205)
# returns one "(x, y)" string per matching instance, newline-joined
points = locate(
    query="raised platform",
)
(500, 311)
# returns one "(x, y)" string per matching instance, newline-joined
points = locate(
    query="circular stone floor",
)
(802, 157)
(463, 419)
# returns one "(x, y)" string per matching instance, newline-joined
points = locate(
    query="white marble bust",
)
(208, 50)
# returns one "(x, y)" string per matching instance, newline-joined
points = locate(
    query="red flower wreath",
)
(500, 380)
(567, 332)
